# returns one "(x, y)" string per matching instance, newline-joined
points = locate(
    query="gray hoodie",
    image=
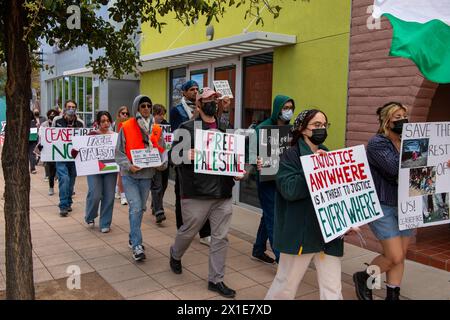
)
(121, 157)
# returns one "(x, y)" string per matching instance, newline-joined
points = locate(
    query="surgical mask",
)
(209, 108)
(318, 136)
(398, 126)
(286, 115)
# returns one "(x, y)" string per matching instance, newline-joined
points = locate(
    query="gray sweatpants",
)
(195, 213)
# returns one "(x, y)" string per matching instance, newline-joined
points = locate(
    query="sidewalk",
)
(61, 242)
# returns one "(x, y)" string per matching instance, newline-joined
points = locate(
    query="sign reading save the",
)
(342, 190)
(219, 153)
(57, 142)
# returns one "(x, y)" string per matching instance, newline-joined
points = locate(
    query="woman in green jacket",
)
(297, 232)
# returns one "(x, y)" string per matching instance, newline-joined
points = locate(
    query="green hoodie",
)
(278, 104)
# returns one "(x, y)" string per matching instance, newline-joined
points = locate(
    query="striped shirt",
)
(383, 159)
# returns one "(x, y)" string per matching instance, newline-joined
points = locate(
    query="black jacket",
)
(198, 185)
(62, 123)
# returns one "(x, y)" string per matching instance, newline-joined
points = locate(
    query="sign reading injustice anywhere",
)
(146, 158)
(424, 177)
(219, 153)
(273, 142)
(57, 142)
(342, 190)
(96, 154)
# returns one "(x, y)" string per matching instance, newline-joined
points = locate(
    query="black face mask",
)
(318, 136)
(398, 126)
(209, 108)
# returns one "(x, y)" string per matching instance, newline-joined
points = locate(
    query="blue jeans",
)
(66, 178)
(266, 193)
(101, 188)
(136, 191)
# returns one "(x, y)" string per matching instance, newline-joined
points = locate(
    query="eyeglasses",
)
(125, 113)
(145, 105)
(318, 125)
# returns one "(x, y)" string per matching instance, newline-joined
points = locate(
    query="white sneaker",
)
(105, 230)
(117, 196)
(46, 179)
(51, 191)
(206, 241)
(123, 200)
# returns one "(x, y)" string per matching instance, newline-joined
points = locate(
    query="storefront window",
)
(201, 77)
(228, 73)
(257, 106)
(177, 78)
(80, 93)
(89, 98)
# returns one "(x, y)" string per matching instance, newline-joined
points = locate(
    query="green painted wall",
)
(314, 71)
(154, 85)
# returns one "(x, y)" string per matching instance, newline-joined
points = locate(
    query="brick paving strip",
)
(109, 272)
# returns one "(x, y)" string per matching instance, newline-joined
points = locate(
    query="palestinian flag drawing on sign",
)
(107, 165)
(421, 33)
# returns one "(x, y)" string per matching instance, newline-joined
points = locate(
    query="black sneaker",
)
(138, 253)
(63, 212)
(362, 291)
(222, 289)
(70, 209)
(160, 218)
(175, 265)
(130, 245)
(264, 258)
(392, 293)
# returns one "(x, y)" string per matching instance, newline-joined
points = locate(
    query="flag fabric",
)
(421, 33)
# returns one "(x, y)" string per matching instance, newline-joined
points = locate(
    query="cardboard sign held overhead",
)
(223, 87)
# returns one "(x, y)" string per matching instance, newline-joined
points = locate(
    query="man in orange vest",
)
(135, 134)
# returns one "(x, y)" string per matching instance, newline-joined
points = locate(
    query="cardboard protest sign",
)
(57, 143)
(146, 158)
(219, 153)
(342, 190)
(273, 142)
(96, 154)
(223, 87)
(168, 136)
(424, 177)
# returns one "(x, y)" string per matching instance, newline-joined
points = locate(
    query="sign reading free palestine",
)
(342, 190)
(219, 153)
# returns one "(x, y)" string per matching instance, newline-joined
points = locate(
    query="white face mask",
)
(286, 115)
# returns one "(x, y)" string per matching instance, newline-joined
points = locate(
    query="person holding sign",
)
(32, 141)
(122, 115)
(203, 197)
(297, 233)
(66, 170)
(383, 154)
(135, 135)
(282, 112)
(101, 187)
(182, 113)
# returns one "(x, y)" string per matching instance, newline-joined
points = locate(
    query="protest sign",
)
(168, 136)
(96, 154)
(57, 143)
(342, 190)
(223, 87)
(146, 158)
(219, 153)
(424, 177)
(33, 136)
(273, 142)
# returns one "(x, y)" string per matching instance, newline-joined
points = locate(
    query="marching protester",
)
(66, 170)
(282, 112)
(135, 134)
(101, 187)
(383, 153)
(32, 142)
(50, 167)
(204, 197)
(183, 112)
(297, 234)
(161, 178)
(122, 115)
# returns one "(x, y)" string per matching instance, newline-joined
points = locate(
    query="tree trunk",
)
(19, 259)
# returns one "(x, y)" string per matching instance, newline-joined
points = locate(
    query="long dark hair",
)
(297, 134)
(102, 113)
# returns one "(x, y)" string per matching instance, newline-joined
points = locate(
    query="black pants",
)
(50, 172)
(31, 155)
(205, 231)
(158, 188)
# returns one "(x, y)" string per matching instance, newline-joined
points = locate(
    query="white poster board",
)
(424, 177)
(146, 158)
(219, 153)
(57, 143)
(223, 87)
(342, 190)
(96, 154)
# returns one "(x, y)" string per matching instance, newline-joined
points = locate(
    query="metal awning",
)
(87, 72)
(216, 49)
